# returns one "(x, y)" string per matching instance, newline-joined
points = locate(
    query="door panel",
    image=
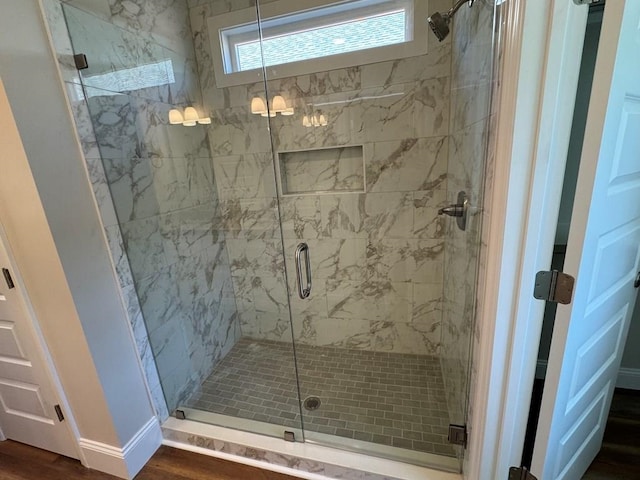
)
(604, 251)
(27, 394)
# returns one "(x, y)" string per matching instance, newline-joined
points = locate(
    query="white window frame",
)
(417, 34)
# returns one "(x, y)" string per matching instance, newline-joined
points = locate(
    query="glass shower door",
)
(369, 142)
(196, 229)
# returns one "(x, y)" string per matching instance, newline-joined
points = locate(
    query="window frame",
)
(277, 19)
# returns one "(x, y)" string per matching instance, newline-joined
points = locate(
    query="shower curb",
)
(177, 434)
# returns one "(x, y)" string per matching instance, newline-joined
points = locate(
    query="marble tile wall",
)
(377, 257)
(153, 182)
(469, 163)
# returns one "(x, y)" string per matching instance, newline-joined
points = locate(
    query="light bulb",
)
(175, 117)
(257, 106)
(278, 104)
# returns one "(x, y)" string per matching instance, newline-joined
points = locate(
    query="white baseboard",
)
(629, 378)
(123, 462)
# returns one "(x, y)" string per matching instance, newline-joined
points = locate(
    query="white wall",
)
(64, 257)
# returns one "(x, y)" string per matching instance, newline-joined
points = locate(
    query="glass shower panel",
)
(364, 152)
(197, 213)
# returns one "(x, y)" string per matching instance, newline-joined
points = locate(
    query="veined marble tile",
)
(400, 260)
(370, 300)
(256, 257)
(431, 108)
(245, 176)
(159, 300)
(166, 22)
(251, 218)
(405, 338)
(82, 119)
(344, 216)
(114, 119)
(388, 215)
(319, 83)
(144, 246)
(426, 221)
(407, 165)
(189, 231)
(427, 304)
(169, 346)
(301, 216)
(119, 60)
(236, 131)
(436, 63)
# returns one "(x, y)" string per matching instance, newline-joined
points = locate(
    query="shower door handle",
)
(303, 291)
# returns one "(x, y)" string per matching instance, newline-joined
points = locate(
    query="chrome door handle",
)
(303, 291)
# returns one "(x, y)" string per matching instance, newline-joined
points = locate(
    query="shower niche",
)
(324, 170)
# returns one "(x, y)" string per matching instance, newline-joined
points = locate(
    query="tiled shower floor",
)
(384, 398)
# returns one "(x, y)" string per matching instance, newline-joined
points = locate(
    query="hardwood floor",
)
(21, 462)
(619, 457)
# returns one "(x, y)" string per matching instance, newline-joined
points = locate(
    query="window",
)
(324, 37)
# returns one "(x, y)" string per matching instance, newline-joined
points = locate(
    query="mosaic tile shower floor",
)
(384, 398)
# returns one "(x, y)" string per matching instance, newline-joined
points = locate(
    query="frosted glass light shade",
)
(175, 117)
(305, 121)
(257, 106)
(322, 121)
(287, 112)
(271, 113)
(278, 104)
(190, 114)
(204, 121)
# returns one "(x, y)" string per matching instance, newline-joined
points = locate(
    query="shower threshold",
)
(321, 456)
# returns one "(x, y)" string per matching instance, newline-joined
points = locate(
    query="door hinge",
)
(521, 473)
(554, 286)
(80, 59)
(59, 413)
(457, 435)
(7, 278)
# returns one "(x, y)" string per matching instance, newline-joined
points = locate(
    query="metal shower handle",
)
(303, 292)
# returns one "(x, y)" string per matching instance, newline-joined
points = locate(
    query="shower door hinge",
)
(59, 412)
(520, 473)
(80, 59)
(457, 435)
(554, 286)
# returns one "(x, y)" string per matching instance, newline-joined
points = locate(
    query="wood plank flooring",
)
(619, 457)
(21, 462)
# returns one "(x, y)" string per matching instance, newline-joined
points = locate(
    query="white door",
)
(28, 398)
(603, 252)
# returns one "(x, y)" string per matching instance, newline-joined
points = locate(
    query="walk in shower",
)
(278, 172)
